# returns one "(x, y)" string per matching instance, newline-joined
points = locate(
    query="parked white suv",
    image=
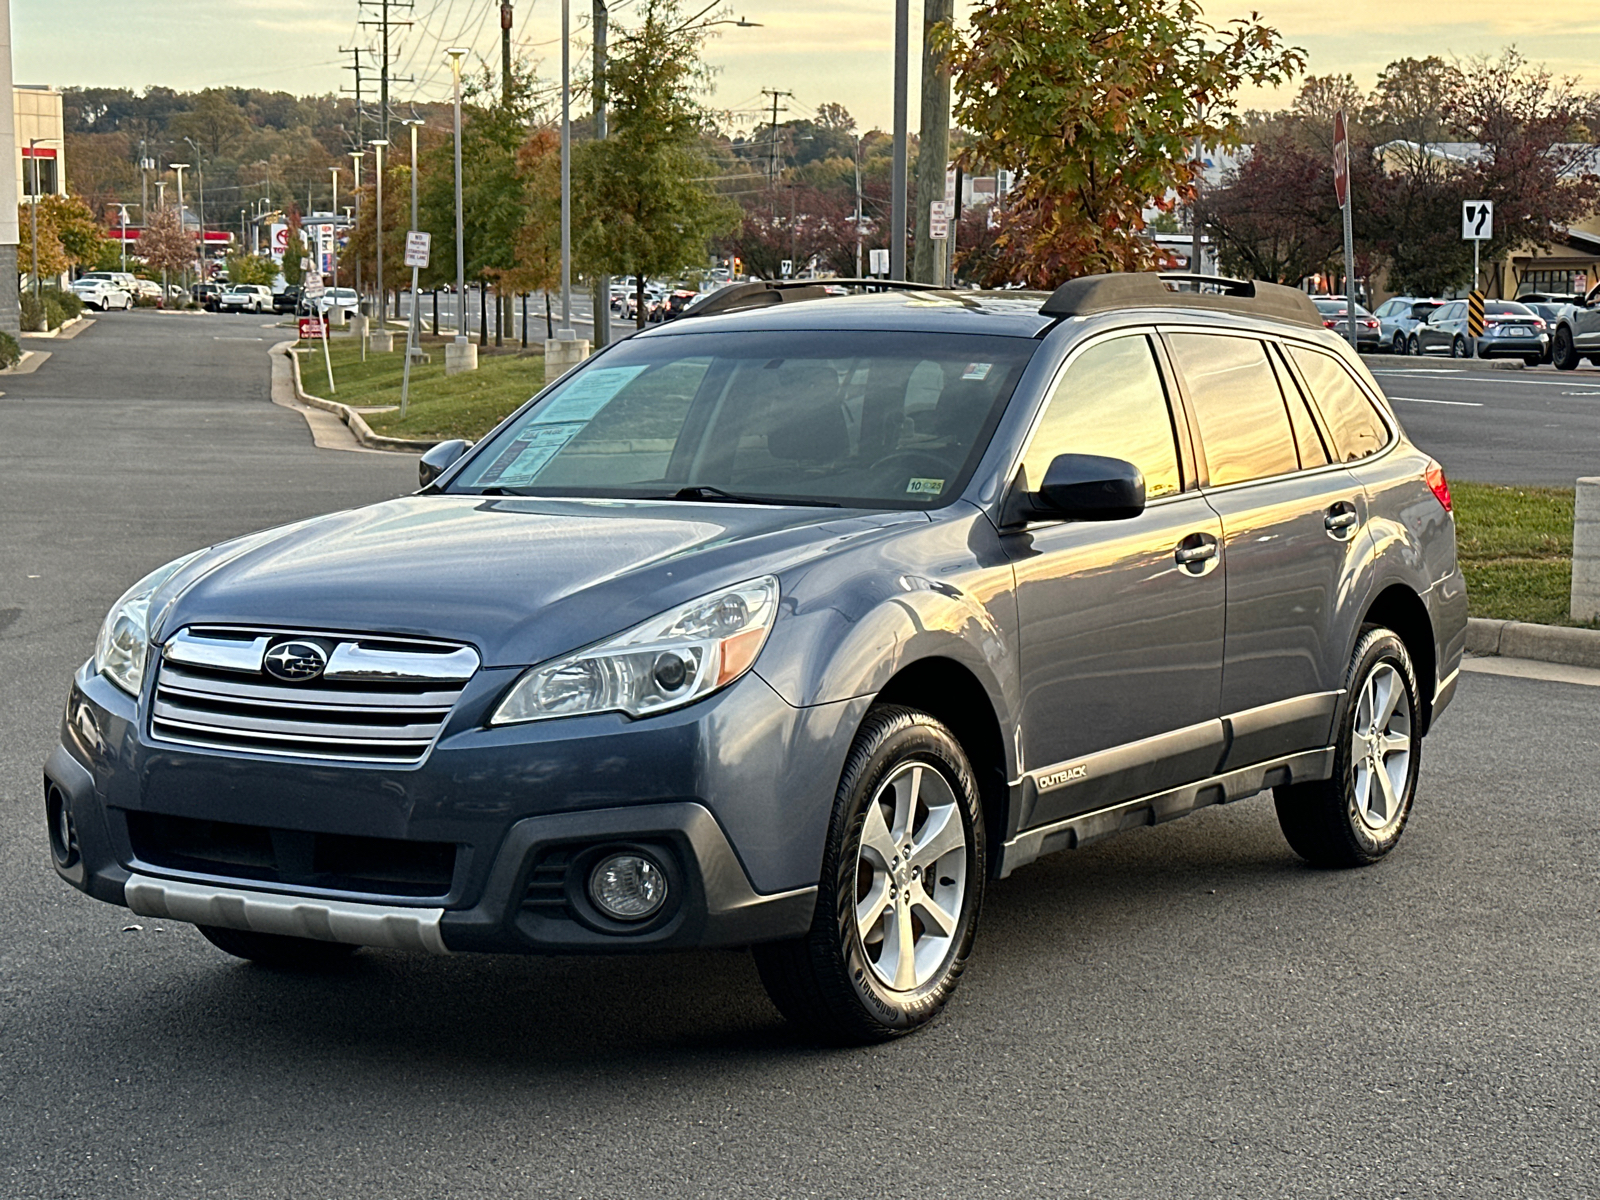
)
(245, 297)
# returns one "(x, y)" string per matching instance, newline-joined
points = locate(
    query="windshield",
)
(861, 419)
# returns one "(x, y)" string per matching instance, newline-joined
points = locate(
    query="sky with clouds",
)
(825, 50)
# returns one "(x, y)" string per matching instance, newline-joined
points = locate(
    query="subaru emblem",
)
(296, 661)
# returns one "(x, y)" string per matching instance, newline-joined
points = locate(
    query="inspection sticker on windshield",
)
(924, 487)
(977, 371)
(585, 395)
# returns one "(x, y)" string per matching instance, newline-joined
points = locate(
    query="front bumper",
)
(732, 796)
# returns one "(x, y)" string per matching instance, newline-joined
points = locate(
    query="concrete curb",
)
(65, 330)
(1481, 364)
(1543, 643)
(362, 431)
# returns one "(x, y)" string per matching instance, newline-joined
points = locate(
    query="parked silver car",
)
(1399, 316)
(1510, 330)
(1577, 333)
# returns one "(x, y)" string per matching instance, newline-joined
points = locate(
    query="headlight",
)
(666, 662)
(124, 641)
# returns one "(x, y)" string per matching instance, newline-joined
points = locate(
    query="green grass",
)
(467, 405)
(1515, 546)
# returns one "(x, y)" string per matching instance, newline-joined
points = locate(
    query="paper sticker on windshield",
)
(585, 395)
(977, 371)
(522, 461)
(924, 487)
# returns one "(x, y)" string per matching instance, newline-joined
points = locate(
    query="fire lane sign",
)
(418, 244)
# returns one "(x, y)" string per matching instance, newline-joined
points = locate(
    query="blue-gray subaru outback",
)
(789, 625)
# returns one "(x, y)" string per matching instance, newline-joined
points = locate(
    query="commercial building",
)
(10, 306)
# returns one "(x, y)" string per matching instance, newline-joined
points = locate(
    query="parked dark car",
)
(1510, 330)
(1334, 312)
(286, 301)
(790, 624)
(208, 296)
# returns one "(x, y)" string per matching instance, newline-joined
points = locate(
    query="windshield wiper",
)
(704, 491)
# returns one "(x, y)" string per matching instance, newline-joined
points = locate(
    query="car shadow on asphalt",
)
(504, 1012)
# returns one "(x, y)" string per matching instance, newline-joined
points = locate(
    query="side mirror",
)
(440, 459)
(1089, 487)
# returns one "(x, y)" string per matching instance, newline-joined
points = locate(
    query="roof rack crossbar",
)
(1107, 293)
(764, 293)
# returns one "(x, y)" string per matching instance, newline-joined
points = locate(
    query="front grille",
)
(338, 862)
(378, 699)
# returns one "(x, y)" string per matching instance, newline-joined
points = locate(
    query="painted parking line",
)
(1452, 403)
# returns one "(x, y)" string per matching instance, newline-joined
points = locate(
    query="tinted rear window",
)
(1352, 420)
(1244, 425)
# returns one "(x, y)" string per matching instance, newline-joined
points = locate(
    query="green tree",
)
(645, 204)
(294, 253)
(69, 235)
(1097, 105)
(251, 268)
(536, 249)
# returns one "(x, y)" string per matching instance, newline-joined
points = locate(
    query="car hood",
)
(521, 579)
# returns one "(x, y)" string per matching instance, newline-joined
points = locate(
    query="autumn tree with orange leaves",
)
(1097, 106)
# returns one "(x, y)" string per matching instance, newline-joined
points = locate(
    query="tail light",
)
(1327, 324)
(1369, 323)
(1438, 484)
(1538, 322)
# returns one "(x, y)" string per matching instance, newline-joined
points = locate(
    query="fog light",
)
(63, 836)
(628, 887)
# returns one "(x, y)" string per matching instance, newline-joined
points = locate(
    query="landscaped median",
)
(467, 405)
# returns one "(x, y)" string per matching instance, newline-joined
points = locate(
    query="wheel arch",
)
(1399, 608)
(949, 691)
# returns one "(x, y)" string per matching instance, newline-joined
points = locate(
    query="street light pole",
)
(33, 209)
(897, 202)
(335, 211)
(355, 168)
(200, 172)
(383, 297)
(459, 355)
(180, 168)
(566, 332)
(413, 324)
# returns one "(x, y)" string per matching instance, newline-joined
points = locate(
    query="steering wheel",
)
(916, 458)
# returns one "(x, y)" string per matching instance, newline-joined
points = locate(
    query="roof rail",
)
(766, 292)
(1108, 293)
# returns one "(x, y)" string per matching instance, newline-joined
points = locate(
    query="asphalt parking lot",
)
(1185, 1011)
(1495, 425)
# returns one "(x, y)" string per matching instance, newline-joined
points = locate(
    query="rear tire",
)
(1458, 348)
(1563, 353)
(1357, 816)
(1399, 344)
(276, 950)
(886, 950)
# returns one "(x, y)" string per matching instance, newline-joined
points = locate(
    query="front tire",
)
(1357, 816)
(902, 883)
(276, 950)
(1413, 347)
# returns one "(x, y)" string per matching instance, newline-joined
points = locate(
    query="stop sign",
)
(1341, 160)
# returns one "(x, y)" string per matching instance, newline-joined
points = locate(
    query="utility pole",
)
(384, 24)
(599, 16)
(772, 154)
(934, 151)
(355, 53)
(897, 198)
(505, 52)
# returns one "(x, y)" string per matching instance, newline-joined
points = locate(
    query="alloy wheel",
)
(911, 877)
(1380, 752)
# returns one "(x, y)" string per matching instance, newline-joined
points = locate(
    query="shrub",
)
(33, 313)
(70, 304)
(10, 352)
(55, 313)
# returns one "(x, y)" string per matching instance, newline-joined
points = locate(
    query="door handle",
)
(1336, 521)
(1187, 555)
